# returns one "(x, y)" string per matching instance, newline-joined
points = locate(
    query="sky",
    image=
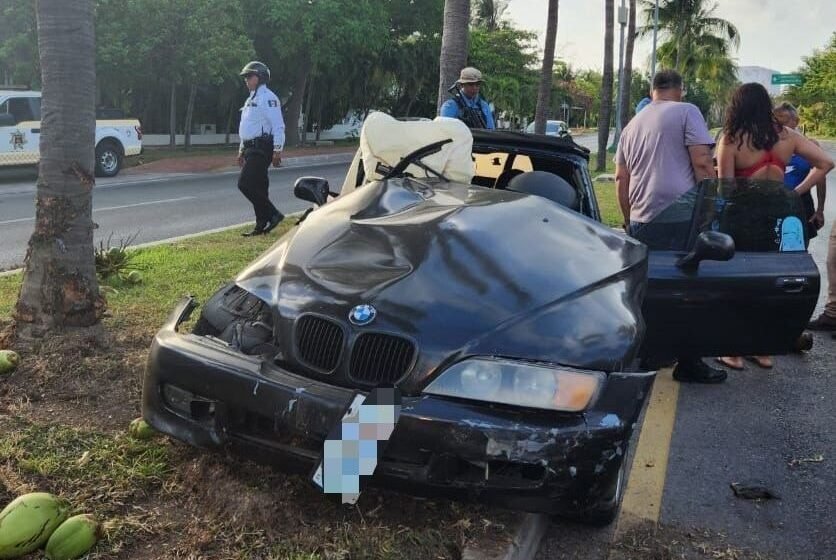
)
(775, 34)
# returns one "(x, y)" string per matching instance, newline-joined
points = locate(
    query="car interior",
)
(547, 177)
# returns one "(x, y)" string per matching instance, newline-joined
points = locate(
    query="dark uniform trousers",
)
(254, 180)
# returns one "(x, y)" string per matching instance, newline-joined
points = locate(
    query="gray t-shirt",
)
(654, 147)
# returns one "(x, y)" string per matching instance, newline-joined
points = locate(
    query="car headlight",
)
(519, 384)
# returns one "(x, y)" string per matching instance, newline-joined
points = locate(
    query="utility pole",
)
(655, 29)
(622, 22)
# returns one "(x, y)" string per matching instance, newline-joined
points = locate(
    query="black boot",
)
(257, 230)
(694, 370)
(274, 220)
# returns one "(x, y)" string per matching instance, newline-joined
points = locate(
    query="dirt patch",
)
(192, 164)
(209, 163)
(662, 542)
(73, 382)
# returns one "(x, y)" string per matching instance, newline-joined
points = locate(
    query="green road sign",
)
(787, 79)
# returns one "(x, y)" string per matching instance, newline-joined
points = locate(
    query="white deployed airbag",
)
(386, 140)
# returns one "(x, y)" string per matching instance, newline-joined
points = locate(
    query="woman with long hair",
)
(755, 145)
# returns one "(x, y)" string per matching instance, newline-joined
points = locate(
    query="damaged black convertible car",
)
(470, 271)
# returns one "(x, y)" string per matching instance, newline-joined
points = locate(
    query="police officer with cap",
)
(262, 138)
(467, 104)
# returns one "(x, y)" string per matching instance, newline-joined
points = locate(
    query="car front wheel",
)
(607, 510)
(108, 159)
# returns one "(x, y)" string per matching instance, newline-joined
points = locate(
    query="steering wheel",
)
(414, 158)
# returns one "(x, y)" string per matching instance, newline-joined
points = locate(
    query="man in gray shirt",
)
(663, 153)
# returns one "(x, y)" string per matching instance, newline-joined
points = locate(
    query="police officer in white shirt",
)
(262, 138)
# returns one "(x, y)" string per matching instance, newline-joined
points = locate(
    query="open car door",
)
(756, 302)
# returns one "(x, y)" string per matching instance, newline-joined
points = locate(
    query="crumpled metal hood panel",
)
(462, 271)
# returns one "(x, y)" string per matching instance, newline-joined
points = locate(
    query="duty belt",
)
(259, 142)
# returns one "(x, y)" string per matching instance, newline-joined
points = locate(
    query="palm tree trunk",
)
(189, 114)
(306, 114)
(172, 117)
(454, 44)
(627, 76)
(60, 289)
(229, 118)
(293, 110)
(544, 94)
(606, 86)
(680, 33)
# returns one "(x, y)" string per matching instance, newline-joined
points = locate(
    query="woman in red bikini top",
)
(755, 145)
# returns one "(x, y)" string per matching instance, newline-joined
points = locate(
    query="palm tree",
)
(606, 86)
(488, 13)
(688, 26)
(627, 75)
(454, 41)
(60, 289)
(545, 91)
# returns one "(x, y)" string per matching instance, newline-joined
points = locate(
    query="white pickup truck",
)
(20, 132)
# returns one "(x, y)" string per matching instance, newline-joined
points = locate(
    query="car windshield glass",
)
(551, 128)
(761, 216)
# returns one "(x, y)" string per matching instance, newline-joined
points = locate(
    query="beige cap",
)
(470, 75)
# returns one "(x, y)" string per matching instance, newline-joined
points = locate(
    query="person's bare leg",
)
(763, 361)
(733, 362)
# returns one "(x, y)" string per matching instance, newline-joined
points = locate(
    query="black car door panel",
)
(756, 303)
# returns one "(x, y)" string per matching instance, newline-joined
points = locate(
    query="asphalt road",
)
(156, 207)
(776, 428)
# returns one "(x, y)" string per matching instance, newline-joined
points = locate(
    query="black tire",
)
(108, 159)
(607, 511)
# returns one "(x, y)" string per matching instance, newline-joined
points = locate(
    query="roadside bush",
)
(116, 260)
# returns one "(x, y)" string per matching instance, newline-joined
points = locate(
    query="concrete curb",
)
(527, 536)
(290, 163)
(341, 157)
(297, 161)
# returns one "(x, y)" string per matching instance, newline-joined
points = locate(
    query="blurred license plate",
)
(354, 446)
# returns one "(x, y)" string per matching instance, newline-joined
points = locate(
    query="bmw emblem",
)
(362, 315)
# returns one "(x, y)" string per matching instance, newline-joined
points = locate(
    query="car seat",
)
(548, 185)
(505, 178)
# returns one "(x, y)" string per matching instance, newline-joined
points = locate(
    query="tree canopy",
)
(816, 96)
(699, 45)
(327, 57)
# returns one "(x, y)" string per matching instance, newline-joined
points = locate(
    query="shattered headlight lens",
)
(519, 383)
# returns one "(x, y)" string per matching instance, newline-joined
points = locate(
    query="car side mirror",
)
(312, 189)
(710, 246)
(7, 119)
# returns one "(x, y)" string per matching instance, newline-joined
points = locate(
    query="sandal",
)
(763, 361)
(731, 362)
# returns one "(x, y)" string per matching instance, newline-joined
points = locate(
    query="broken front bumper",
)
(202, 392)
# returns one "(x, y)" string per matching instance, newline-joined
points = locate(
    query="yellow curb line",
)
(643, 495)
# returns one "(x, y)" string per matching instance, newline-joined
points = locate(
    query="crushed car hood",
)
(461, 270)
